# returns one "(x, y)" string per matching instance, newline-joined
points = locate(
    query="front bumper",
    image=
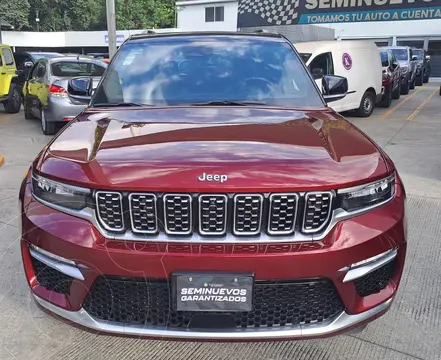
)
(90, 255)
(338, 325)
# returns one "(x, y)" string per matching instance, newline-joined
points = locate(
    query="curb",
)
(2, 160)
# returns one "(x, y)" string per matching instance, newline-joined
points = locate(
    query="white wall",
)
(402, 29)
(191, 16)
(67, 39)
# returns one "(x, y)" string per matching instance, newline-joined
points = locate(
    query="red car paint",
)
(260, 149)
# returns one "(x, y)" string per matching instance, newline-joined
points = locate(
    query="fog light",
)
(364, 267)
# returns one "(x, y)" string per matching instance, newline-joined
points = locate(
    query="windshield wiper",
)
(121, 104)
(229, 103)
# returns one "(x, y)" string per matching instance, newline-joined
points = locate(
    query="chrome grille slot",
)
(143, 213)
(110, 210)
(247, 214)
(212, 214)
(317, 211)
(282, 214)
(178, 214)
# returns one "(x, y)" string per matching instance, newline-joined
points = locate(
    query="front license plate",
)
(213, 292)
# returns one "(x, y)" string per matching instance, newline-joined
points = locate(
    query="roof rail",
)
(261, 31)
(148, 32)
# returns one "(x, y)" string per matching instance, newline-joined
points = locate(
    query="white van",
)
(357, 60)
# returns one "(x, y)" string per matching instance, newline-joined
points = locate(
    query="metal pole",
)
(111, 26)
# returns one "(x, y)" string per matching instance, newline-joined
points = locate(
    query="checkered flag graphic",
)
(275, 12)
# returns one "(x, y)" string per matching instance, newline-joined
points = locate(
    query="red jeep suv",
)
(208, 192)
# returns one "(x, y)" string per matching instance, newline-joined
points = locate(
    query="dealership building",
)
(222, 15)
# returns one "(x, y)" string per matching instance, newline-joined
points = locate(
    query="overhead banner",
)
(253, 13)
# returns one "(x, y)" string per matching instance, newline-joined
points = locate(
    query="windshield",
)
(78, 68)
(400, 54)
(384, 58)
(191, 70)
(45, 55)
(419, 54)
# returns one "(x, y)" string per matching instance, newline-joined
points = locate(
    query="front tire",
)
(27, 111)
(48, 128)
(367, 104)
(419, 81)
(405, 88)
(412, 84)
(426, 78)
(397, 92)
(13, 104)
(386, 101)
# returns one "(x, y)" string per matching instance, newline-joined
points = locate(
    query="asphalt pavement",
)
(409, 131)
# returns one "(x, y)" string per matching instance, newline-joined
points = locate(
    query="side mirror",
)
(28, 64)
(385, 63)
(395, 64)
(428, 57)
(334, 87)
(80, 88)
(317, 73)
(414, 58)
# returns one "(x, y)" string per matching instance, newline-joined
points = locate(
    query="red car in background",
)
(209, 193)
(391, 77)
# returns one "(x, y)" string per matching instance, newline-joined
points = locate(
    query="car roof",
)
(398, 47)
(73, 59)
(206, 34)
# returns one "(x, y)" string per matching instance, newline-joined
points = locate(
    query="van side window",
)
(322, 65)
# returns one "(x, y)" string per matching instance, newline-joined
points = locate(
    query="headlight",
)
(57, 193)
(367, 196)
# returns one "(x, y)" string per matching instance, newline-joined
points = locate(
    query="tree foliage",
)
(15, 12)
(84, 15)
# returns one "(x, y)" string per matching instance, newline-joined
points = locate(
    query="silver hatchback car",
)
(45, 90)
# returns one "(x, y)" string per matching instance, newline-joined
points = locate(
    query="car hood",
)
(168, 149)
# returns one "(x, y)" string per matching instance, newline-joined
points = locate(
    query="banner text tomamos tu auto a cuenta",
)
(274, 12)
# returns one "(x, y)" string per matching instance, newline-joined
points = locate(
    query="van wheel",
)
(419, 81)
(367, 104)
(396, 93)
(405, 88)
(426, 78)
(387, 97)
(13, 104)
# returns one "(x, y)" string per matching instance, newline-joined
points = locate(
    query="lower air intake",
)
(275, 304)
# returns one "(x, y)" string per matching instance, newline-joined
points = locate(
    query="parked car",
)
(25, 60)
(423, 67)
(9, 89)
(208, 192)
(45, 91)
(391, 77)
(407, 61)
(358, 61)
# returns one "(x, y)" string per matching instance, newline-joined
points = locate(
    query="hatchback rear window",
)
(72, 69)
